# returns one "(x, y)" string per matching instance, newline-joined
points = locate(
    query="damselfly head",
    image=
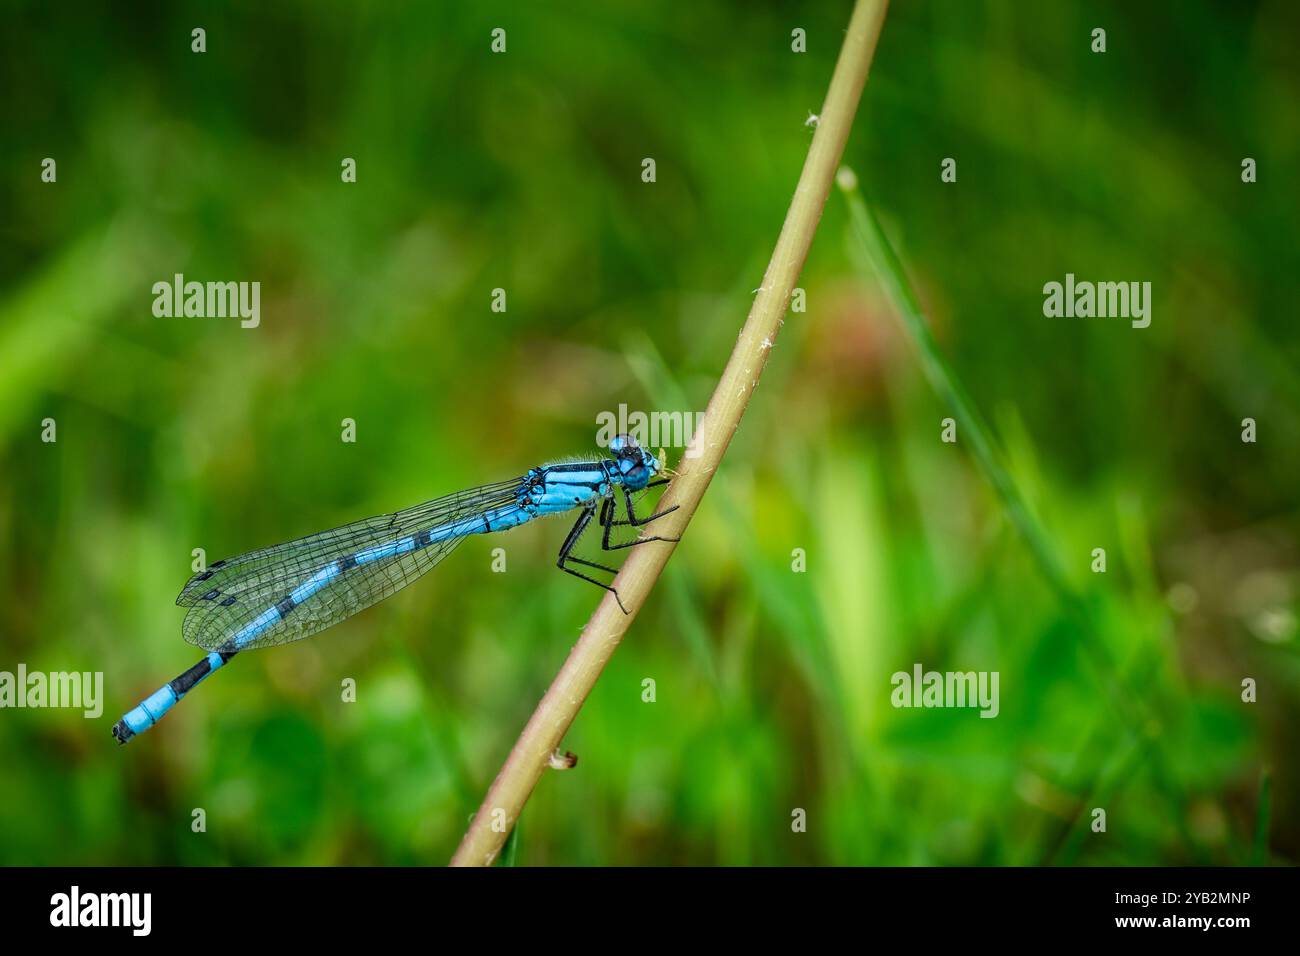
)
(619, 444)
(637, 465)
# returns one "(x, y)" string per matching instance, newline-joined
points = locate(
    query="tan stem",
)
(551, 720)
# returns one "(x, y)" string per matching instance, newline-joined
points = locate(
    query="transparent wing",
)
(231, 594)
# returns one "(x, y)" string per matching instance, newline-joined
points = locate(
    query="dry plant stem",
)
(551, 720)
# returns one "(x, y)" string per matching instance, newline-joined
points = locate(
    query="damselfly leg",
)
(566, 554)
(607, 519)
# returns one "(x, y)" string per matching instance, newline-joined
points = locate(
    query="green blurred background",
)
(522, 171)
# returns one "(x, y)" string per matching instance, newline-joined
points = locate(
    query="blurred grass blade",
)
(874, 248)
(51, 320)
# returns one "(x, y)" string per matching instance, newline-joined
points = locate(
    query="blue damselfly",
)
(285, 593)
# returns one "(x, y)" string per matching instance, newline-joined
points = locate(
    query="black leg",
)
(632, 519)
(590, 564)
(631, 510)
(609, 504)
(607, 519)
(566, 556)
(632, 514)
